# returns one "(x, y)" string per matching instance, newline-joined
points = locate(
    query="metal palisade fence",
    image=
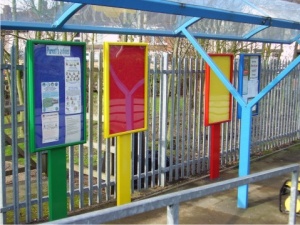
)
(175, 146)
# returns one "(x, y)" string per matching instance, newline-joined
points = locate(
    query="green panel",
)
(57, 182)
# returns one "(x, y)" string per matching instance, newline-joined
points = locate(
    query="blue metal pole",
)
(244, 158)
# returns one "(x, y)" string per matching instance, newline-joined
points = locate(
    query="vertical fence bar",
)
(205, 130)
(2, 140)
(189, 112)
(290, 108)
(194, 119)
(81, 176)
(263, 108)
(14, 133)
(26, 150)
(39, 184)
(99, 127)
(91, 127)
(269, 110)
(287, 88)
(178, 83)
(198, 121)
(107, 166)
(273, 110)
(153, 128)
(261, 113)
(147, 133)
(71, 178)
(295, 105)
(163, 119)
(296, 96)
(183, 126)
(140, 158)
(277, 114)
(293, 195)
(135, 160)
(161, 127)
(267, 98)
(172, 120)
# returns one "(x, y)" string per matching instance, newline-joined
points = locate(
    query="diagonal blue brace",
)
(214, 67)
(255, 31)
(67, 15)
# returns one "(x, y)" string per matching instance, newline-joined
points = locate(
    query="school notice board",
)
(125, 88)
(56, 94)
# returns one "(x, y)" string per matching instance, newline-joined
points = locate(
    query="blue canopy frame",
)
(259, 18)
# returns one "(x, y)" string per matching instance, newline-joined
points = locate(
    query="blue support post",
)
(244, 159)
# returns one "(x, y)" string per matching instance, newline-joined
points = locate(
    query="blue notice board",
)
(249, 79)
(56, 94)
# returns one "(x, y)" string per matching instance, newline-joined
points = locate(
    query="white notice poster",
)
(252, 88)
(73, 128)
(72, 85)
(50, 127)
(254, 67)
(245, 85)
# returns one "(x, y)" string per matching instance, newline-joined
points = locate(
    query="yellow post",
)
(123, 169)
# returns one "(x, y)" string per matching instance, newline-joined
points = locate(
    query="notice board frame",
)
(243, 72)
(126, 73)
(56, 84)
(214, 88)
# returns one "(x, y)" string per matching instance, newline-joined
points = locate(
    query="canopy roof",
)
(276, 21)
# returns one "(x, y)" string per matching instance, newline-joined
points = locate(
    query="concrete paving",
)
(221, 208)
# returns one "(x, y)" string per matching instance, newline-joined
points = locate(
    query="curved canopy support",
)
(255, 31)
(67, 15)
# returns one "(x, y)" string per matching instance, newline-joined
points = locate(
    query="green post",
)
(57, 182)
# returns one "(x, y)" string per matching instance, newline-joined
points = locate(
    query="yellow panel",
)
(124, 169)
(219, 104)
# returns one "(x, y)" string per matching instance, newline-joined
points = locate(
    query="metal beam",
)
(254, 31)
(67, 15)
(17, 25)
(187, 24)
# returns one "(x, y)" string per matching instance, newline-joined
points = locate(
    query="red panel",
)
(215, 144)
(127, 88)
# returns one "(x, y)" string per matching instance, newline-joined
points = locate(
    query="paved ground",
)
(221, 208)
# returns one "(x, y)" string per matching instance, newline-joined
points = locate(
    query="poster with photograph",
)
(50, 96)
